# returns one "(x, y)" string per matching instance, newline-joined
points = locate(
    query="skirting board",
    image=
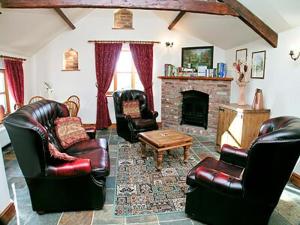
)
(8, 213)
(295, 179)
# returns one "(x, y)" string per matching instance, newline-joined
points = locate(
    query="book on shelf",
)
(221, 70)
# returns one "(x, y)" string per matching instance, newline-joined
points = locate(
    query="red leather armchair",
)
(57, 185)
(243, 187)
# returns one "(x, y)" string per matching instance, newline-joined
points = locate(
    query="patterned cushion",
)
(69, 131)
(132, 108)
(59, 155)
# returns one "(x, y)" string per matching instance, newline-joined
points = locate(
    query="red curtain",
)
(142, 55)
(15, 78)
(106, 57)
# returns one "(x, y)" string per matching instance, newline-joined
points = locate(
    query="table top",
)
(165, 138)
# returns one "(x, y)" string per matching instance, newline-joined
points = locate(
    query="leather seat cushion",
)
(140, 123)
(96, 151)
(211, 163)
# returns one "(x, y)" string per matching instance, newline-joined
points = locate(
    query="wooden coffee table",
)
(164, 140)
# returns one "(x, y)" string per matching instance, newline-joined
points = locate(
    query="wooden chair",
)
(72, 107)
(35, 99)
(76, 99)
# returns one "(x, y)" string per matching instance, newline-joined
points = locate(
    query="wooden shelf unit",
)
(196, 78)
(239, 125)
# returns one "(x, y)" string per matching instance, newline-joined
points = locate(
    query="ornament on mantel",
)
(242, 70)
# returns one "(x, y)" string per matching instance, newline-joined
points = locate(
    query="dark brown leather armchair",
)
(128, 127)
(221, 194)
(56, 185)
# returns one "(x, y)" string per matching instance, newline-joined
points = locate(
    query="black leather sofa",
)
(56, 185)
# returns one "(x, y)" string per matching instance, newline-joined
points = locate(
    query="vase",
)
(242, 87)
(258, 102)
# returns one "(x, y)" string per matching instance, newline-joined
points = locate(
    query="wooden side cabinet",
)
(239, 125)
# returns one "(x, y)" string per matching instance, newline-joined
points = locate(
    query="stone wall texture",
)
(171, 103)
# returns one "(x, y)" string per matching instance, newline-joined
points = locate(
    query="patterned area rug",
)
(141, 189)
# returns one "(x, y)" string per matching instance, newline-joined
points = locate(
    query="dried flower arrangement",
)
(241, 68)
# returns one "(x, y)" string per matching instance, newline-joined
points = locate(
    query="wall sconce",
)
(292, 54)
(169, 44)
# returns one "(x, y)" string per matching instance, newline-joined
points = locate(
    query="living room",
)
(40, 38)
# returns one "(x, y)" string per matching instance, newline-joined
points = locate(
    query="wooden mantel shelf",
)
(196, 78)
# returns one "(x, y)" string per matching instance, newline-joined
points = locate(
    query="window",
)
(4, 96)
(126, 76)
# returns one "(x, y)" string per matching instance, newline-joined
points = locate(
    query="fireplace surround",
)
(217, 89)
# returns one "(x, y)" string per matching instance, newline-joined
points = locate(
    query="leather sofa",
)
(56, 185)
(244, 186)
(128, 127)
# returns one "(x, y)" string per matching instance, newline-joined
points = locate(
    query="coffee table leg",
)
(159, 160)
(186, 153)
(143, 148)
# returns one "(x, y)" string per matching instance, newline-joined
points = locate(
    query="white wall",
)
(281, 85)
(4, 193)
(48, 62)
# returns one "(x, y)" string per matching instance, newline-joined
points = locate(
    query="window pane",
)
(125, 62)
(124, 81)
(138, 83)
(111, 87)
(3, 101)
(2, 83)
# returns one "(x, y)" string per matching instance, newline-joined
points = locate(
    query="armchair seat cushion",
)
(140, 123)
(216, 165)
(96, 151)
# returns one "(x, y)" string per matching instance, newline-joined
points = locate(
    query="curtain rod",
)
(12, 58)
(124, 41)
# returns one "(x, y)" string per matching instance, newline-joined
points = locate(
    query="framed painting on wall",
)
(241, 54)
(258, 65)
(194, 57)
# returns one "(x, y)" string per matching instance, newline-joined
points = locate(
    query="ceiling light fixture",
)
(292, 54)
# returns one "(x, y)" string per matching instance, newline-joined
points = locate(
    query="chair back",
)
(35, 99)
(129, 95)
(76, 99)
(271, 160)
(72, 107)
(29, 129)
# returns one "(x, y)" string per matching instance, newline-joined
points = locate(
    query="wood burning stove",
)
(194, 108)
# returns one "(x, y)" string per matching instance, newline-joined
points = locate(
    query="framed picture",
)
(241, 54)
(197, 56)
(258, 65)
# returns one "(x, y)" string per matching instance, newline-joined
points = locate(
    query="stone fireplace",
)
(217, 90)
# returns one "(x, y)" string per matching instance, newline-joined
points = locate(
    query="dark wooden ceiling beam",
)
(217, 8)
(176, 20)
(253, 22)
(65, 18)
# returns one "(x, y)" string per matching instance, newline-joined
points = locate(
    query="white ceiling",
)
(25, 31)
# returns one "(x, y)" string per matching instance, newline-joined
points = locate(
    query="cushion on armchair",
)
(132, 108)
(69, 131)
(59, 155)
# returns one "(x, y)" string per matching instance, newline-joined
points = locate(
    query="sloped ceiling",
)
(25, 31)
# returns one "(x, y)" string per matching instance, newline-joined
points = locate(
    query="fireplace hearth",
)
(194, 108)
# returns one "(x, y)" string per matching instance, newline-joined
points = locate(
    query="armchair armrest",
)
(234, 155)
(150, 114)
(67, 169)
(216, 180)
